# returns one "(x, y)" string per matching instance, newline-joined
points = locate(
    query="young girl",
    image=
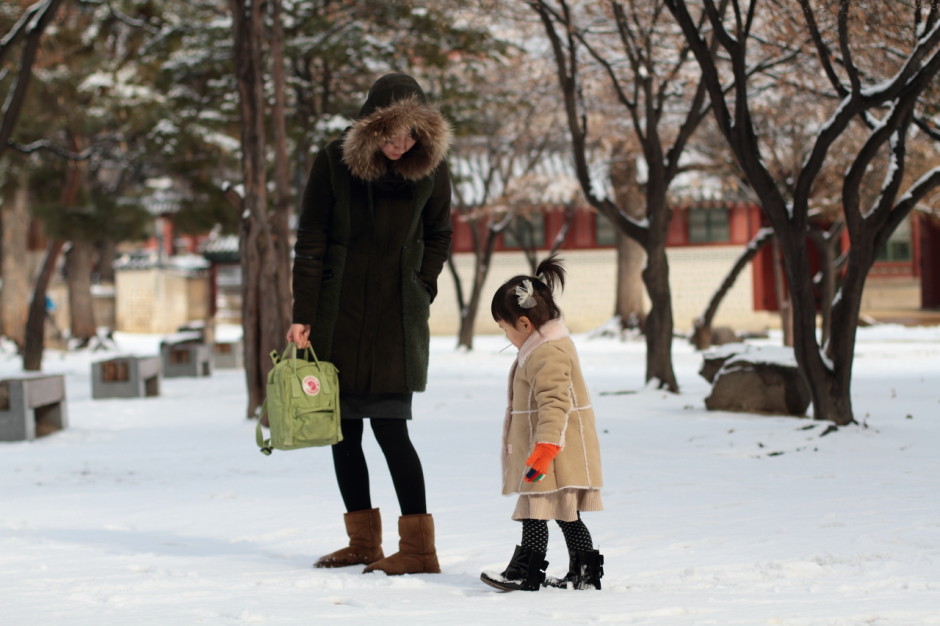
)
(550, 455)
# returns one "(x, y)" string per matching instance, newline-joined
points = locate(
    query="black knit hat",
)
(391, 88)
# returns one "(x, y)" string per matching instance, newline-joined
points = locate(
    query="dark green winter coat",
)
(373, 237)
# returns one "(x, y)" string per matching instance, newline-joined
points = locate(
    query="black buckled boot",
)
(525, 572)
(585, 570)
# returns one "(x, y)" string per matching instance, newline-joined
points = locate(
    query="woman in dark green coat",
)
(373, 237)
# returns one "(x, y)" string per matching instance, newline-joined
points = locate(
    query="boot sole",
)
(503, 585)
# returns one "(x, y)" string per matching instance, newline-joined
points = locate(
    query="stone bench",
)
(126, 377)
(184, 354)
(228, 354)
(32, 406)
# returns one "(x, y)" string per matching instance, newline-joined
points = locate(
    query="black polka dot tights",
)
(535, 535)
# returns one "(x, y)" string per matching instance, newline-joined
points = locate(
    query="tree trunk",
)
(264, 273)
(826, 243)
(14, 297)
(468, 315)
(79, 261)
(784, 305)
(629, 305)
(280, 229)
(836, 405)
(659, 322)
(826, 384)
(36, 322)
(481, 270)
(106, 253)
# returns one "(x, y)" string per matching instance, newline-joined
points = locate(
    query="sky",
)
(161, 510)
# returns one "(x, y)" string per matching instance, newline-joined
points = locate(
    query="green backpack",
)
(302, 402)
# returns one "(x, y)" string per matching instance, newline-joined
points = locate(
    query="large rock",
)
(755, 380)
(714, 359)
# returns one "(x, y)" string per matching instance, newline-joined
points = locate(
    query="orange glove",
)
(539, 460)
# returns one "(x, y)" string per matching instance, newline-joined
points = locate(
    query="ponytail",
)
(531, 296)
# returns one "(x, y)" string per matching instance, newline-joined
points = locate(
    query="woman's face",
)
(394, 148)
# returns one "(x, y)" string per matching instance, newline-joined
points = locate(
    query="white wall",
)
(156, 300)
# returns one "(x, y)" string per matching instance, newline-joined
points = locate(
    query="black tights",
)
(352, 473)
(535, 535)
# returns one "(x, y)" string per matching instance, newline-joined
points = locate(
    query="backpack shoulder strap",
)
(263, 444)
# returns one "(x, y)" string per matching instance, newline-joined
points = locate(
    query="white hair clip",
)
(526, 294)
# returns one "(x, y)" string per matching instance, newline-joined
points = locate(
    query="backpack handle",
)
(290, 351)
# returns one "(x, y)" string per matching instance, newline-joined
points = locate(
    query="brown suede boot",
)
(365, 541)
(416, 553)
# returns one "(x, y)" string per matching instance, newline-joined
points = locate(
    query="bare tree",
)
(641, 55)
(886, 103)
(499, 187)
(30, 28)
(506, 169)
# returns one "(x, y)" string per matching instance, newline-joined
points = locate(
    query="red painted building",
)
(912, 252)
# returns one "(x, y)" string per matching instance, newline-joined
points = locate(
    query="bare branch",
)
(59, 151)
(924, 185)
(566, 64)
(123, 17)
(822, 50)
(927, 127)
(894, 128)
(895, 176)
(761, 238)
(37, 23)
(724, 38)
(913, 70)
(847, 61)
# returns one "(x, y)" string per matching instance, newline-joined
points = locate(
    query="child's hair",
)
(510, 302)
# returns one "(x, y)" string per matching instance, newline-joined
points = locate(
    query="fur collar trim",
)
(362, 144)
(551, 330)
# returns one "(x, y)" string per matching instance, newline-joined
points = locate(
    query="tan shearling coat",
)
(549, 403)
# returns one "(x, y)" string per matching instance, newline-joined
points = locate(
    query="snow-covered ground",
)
(162, 511)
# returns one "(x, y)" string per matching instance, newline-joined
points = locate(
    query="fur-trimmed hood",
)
(396, 104)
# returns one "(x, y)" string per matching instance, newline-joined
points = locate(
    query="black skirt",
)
(380, 405)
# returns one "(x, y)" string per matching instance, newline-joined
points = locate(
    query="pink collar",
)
(551, 330)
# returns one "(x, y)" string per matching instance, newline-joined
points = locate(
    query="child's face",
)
(520, 332)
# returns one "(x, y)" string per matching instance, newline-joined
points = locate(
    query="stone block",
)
(126, 377)
(187, 357)
(32, 406)
(228, 354)
(751, 385)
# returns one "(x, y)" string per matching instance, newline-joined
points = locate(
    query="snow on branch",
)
(924, 185)
(922, 62)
